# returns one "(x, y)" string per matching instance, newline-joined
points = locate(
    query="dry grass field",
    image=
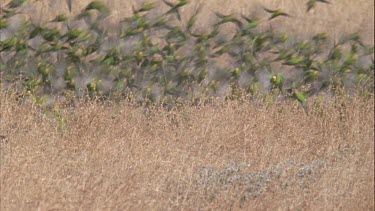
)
(340, 17)
(218, 156)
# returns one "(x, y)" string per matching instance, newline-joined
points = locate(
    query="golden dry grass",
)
(342, 16)
(221, 156)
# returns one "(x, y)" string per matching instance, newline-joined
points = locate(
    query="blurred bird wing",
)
(269, 11)
(69, 3)
(168, 3)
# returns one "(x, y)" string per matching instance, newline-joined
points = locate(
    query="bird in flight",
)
(174, 8)
(275, 13)
(311, 3)
(15, 3)
(69, 3)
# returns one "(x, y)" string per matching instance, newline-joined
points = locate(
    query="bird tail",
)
(69, 2)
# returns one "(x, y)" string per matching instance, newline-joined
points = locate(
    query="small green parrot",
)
(146, 6)
(301, 97)
(275, 13)
(311, 3)
(175, 7)
(60, 18)
(15, 3)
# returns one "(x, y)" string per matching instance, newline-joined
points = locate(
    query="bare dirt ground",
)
(221, 156)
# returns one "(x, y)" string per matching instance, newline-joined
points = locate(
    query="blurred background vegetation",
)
(161, 51)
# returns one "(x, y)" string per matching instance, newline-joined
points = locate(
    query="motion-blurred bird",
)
(6, 13)
(15, 3)
(300, 96)
(96, 5)
(69, 3)
(146, 6)
(275, 13)
(228, 18)
(311, 3)
(175, 7)
(250, 23)
(277, 80)
(60, 18)
(193, 18)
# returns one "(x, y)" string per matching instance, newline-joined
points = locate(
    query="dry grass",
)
(342, 16)
(222, 156)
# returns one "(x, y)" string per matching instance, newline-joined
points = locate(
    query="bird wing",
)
(268, 10)
(69, 3)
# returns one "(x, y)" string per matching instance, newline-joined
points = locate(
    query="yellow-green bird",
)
(175, 7)
(301, 97)
(250, 23)
(193, 18)
(311, 3)
(146, 6)
(6, 13)
(60, 18)
(15, 3)
(228, 18)
(3, 23)
(275, 13)
(97, 5)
